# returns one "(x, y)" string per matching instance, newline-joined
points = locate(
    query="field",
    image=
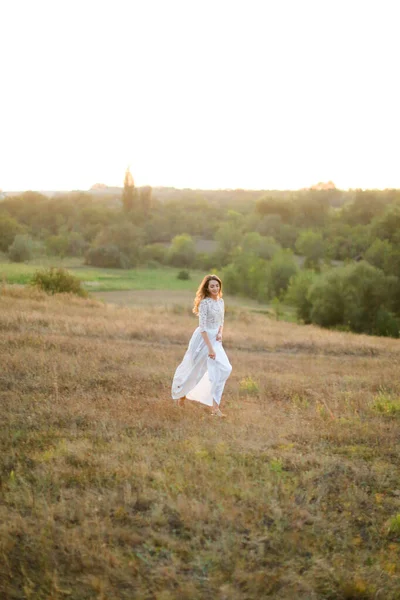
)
(130, 287)
(102, 280)
(108, 491)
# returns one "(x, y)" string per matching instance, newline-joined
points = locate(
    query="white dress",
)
(199, 377)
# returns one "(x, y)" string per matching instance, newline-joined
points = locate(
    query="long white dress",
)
(199, 377)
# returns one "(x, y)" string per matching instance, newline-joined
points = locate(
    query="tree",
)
(21, 249)
(297, 294)
(182, 251)
(263, 246)
(146, 199)
(311, 245)
(357, 296)
(126, 238)
(378, 253)
(129, 192)
(280, 269)
(9, 228)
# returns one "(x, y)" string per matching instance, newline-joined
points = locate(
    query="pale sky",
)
(257, 94)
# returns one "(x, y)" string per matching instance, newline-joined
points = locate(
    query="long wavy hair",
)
(202, 291)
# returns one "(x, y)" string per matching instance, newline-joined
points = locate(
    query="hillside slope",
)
(109, 491)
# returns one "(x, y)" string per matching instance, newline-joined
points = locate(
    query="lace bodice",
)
(211, 314)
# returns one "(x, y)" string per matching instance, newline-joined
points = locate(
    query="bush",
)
(356, 297)
(21, 249)
(297, 294)
(107, 257)
(184, 274)
(154, 252)
(58, 281)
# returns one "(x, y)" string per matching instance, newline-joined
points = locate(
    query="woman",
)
(202, 374)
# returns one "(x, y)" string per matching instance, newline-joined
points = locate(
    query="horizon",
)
(255, 96)
(161, 187)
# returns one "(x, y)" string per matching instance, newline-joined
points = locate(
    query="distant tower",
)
(128, 195)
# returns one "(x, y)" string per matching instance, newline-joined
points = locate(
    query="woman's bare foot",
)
(181, 401)
(217, 413)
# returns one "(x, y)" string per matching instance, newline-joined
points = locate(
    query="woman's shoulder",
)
(204, 301)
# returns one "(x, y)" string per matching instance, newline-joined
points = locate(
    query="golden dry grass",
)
(108, 491)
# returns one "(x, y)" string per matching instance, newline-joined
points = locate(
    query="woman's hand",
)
(219, 336)
(211, 353)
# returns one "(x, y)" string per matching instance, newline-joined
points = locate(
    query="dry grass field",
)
(110, 492)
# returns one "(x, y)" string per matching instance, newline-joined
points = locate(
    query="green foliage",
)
(393, 528)
(182, 252)
(21, 249)
(262, 246)
(387, 226)
(107, 256)
(248, 386)
(311, 245)
(57, 245)
(297, 294)
(154, 252)
(129, 192)
(280, 270)
(228, 237)
(246, 275)
(386, 323)
(378, 253)
(356, 297)
(58, 281)
(126, 238)
(387, 404)
(9, 228)
(184, 275)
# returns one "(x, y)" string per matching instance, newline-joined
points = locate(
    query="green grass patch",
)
(103, 280)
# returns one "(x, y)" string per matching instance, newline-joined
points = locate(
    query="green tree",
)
(182, 252)
(378, 253)
(129, 192)
(262, 246)
(357, 297)
(146, 199)
(126, 238)
(298, 294)
(311, 245)
(9, 228)
(280, 269)
(21, 249)
(387, 226)
(228, 236)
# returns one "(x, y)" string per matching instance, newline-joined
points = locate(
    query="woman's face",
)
(213, 288)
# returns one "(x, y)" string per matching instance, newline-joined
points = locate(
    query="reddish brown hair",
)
(202, 291)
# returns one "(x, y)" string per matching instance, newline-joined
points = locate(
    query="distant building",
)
(321, 186)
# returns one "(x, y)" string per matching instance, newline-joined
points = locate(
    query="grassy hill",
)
(110, 492)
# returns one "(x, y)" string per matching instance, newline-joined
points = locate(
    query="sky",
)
(256, 94)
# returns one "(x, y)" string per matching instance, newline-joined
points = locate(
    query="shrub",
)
(154, 252)
(248, 386)
(184, 274)
(297, 294)
(108, 256)
(57, 281)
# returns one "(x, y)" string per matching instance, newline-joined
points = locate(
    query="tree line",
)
(334, 255)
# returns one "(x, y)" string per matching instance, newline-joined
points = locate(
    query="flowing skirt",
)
(199, 377)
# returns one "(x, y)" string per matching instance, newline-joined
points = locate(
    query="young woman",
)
(202, 374)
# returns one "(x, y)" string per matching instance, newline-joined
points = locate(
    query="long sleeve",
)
(222, 312)
(203, 315)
